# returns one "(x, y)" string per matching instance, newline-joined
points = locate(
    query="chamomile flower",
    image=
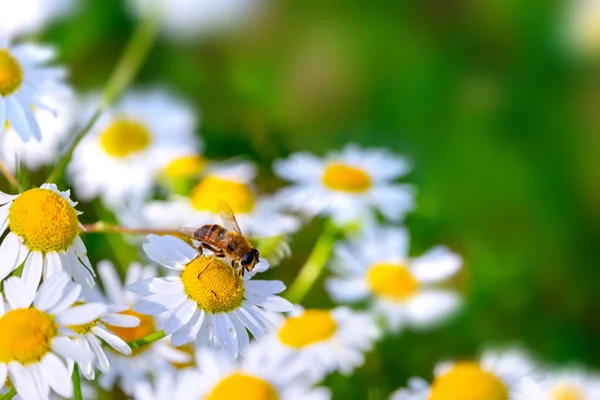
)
(35, 335)
(492, 378)
(151, 360)
(44, 234)
(318, 342)
(26, 16)
(209, 302)
(130, 144)
(25, 82)
(232, 182)
(257, 376)
(571, 384)
(187, 19)
(376, 266)
(346, 185)
(55, 126)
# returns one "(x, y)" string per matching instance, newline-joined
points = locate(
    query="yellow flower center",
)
(214, 285)
(185, 166)
(124, 137)
(566, 392)
(82, 329)
(44, 220)
(311, 327)
(11, 74)
(145, 328)
(391, 281)
(25, 335)
(207, 194)
(345, 178)
(467, 381)
(242, 386)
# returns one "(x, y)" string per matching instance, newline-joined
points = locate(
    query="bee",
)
(228, 241)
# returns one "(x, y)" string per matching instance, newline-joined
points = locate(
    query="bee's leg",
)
(199, 248)
(218, 253)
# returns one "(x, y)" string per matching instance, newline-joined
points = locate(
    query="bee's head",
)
(249, 259)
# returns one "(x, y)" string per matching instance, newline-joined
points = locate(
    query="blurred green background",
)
(502, 125)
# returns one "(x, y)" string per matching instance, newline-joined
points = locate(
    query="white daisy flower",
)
(55, 127)
(257, 376)
(35, 332)
(26, 16)
(209, 302)
(346, 185)
(130, 144)
(232, 182)
(570, 384)
(318, 342)
(188, 19)
(376, 266)
(44, 234)
(154, 359)
(25, 84)
(492, 378)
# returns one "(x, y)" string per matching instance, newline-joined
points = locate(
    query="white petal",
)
(430, 306)
(347, 289)
(81, 314)
(9, 254)
(57, 375)
(72, 350)
(225, 333)
(266, 287)
(158, 303)
(113, 340)
(101, 358)
(188, 332)
(53, 264)
(180, 317)
(437, 264)
(249, 322)
(70, 295)
(3, 374)
(240, 332)
(2, 125)
(22, 381)
(51, 290)
(16, 293)
(16, 118)
(122, 320)
(111, 282)
(272, 302)
(32, 271)
(5, 197)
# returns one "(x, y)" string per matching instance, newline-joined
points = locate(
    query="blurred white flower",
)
(259, 375)
(346, 185)
(209, 302)
(317, 342)
(229, 181)
(151, 360)
(35, 331)
(44, 234)
(130, 144)
(188, 19)
(55, 127)
(376, 266)
(27, 83)
(27, 16)
(583, 26)
(570, 384)
(492, 378)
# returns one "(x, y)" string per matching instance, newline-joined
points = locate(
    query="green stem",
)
(153, 337)
(76, 383)
(9, 176)
(314, 265)
(8, 395)
(134, 55)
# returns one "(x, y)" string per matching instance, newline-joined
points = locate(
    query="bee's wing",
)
(189, 232)
(228, 218)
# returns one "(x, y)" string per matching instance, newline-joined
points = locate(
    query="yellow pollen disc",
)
(145, 328)
(311, 327)
(184, 167)
(566, 392)
(242, 386)
(467, 381)
(25, 335)
(391, 281)
(345, 178)
(82, 329)
(214, 285)
(207, 194)
(124, 137)
(11, 74)
(44, 220)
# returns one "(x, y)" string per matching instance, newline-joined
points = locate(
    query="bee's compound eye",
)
(247, 258)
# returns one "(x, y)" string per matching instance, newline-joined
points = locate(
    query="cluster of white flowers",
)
(189, 324)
